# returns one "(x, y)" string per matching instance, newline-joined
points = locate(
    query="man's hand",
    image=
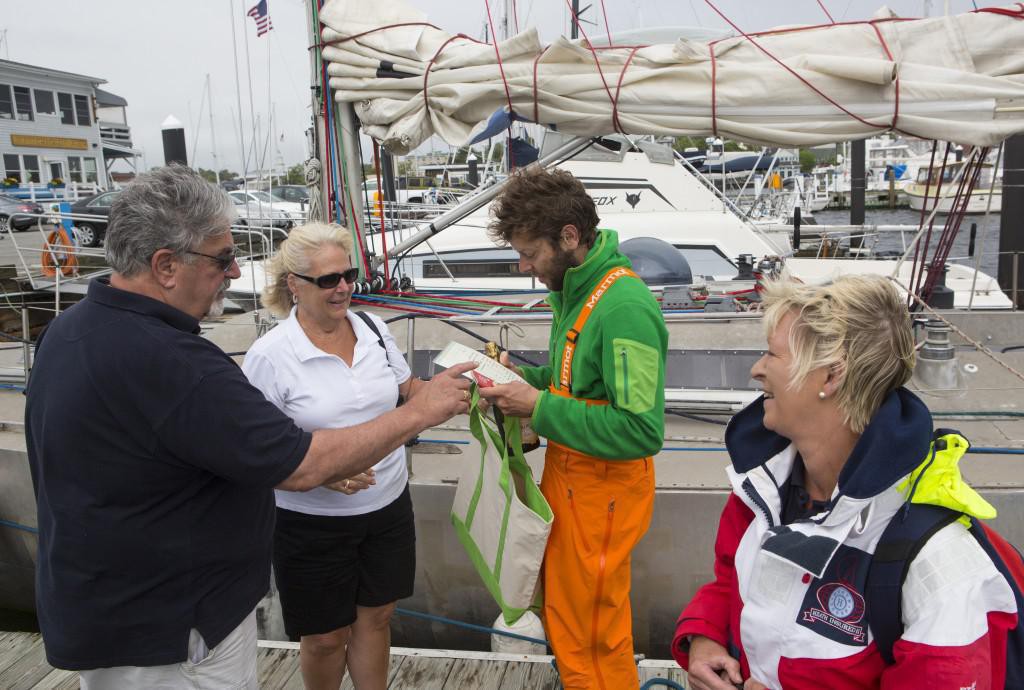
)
(711, 667)
(443, 396)
(363, 480)
(504, 360)
(752, 684)
(513, 399)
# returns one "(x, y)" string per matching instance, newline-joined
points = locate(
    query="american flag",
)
(259, 13)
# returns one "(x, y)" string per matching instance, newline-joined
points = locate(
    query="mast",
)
(213, 133)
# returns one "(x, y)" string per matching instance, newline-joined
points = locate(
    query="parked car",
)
(295, 193)
(90, 231)
(13, 213)
(259, 216)
(268, 201)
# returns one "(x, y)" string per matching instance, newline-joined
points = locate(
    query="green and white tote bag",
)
(500, 515)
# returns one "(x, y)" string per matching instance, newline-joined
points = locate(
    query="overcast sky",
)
(157, 54)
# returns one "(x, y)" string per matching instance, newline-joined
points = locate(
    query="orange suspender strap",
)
(564, 388)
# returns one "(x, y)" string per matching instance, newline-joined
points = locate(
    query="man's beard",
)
(561, 263)
(217, 306)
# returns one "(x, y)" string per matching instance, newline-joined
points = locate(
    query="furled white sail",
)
(957, 78)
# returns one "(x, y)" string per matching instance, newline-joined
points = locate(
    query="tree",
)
(211, 176)
(807, 161)
(699, 143)
(296, 175)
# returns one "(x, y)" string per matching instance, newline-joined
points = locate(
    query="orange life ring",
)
(59, 251)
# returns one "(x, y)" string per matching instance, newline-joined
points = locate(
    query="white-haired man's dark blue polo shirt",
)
(153, 461)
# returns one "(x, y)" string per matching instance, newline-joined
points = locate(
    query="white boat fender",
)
(529, 625)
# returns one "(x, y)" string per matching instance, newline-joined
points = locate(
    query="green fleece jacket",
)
(620, 357)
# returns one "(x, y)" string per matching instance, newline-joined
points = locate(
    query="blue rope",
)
(662, 681)
(15, 525)
(412, 303)
(469, 626)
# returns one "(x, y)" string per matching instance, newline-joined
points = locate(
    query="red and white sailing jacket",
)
(788, 600)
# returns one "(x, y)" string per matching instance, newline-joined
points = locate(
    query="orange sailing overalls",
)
(602, 508)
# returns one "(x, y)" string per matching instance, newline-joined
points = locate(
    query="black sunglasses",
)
(223, 261)
(331, 280)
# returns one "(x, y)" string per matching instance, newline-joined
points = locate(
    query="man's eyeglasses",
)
(331, 280)
(224, 261)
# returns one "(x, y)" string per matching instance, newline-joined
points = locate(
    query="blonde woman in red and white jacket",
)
(820, 465)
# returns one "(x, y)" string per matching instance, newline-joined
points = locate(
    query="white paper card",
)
(454, 353)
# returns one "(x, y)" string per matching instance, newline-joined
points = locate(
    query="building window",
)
(6, 103)
(67, 112)
(23, 102)
(12, 166)
(75, 168)
(44, 103)
(82, 110)
(90, 170)
(31, 167)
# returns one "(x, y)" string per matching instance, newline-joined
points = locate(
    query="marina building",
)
(59, 130)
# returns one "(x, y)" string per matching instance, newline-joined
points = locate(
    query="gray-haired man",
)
(153, 459)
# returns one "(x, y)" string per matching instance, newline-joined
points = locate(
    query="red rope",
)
(822, 6)
(607, 29)
(896, 81)
(597, 61)
(353, 37)
(383, 233)
(426, 72)
(618, 87)
(1005, 11)
(812, 87)
(497, 53)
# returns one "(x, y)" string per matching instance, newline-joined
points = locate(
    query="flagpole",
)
(238, 91)
(270, 114)
(252, 110)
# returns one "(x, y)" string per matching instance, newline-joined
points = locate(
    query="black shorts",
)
(326, 565)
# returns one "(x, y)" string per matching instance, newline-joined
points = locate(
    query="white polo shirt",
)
(319, 391)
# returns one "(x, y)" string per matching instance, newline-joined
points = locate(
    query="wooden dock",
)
(23, 667)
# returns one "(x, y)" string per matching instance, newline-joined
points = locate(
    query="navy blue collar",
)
(895, 442)
(102, 292)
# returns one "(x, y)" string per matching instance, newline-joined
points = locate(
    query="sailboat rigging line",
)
(504, 81)
(597, 60)
(822, 6)
(525, 360)
(607, 29)
(751, 38)
(984, 226)
(695, 417)
(953, 327)
(383, 235)
(924, 211)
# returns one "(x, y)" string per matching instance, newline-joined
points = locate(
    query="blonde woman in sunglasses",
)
(342, 555)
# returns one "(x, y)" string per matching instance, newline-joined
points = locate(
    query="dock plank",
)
(26, 671)
(275, 667)
(419, 673)
(480, 675)
(532, 675)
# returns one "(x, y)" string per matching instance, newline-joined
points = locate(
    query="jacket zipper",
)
(579, 525)
(625, 375)
(599, 590)
(748, 489)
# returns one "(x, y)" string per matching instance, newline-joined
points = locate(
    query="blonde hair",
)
(859, 327)
(295, 255)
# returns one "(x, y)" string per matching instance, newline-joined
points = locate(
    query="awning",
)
(117, 151)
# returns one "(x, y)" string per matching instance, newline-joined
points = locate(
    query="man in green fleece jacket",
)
(600, 402)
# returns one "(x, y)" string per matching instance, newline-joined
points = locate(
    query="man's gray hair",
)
(166, 208)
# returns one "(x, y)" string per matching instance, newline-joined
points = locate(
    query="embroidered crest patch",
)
(833, 605)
